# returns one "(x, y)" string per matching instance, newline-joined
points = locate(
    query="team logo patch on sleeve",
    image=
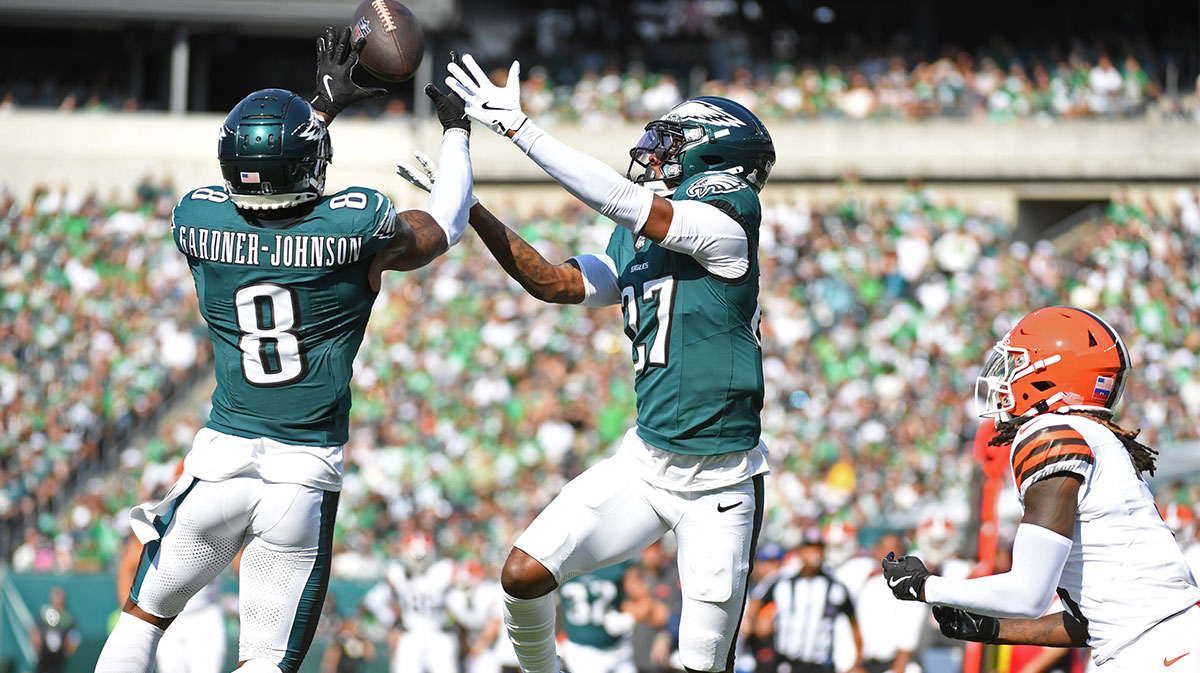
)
(1104, 386)
(387, 226)
(717, 183)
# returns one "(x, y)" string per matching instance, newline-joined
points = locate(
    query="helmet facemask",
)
(658, 153)
(993, 389)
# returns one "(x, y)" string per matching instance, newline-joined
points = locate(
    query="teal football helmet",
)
(700, 135)
(273, 151)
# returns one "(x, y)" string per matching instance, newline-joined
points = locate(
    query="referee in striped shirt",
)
(799, 608)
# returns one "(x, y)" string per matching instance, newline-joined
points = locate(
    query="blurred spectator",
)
(350, 650)
(28, 555)
(653, 598)
(1105, 83)
(54, 636)
(891, 629)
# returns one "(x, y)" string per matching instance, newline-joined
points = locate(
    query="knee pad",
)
(700, 650)
(258, 666)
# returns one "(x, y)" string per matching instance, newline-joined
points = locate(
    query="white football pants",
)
(609, 514)
(288, 533)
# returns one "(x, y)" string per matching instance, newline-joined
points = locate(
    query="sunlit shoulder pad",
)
(1046, 448)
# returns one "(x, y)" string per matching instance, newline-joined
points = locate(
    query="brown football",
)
(395, 41)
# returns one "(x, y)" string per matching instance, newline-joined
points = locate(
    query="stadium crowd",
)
(474, 403)
(997, 84)
(958, 84)
(97, 324)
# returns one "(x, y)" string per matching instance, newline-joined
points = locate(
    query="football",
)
(395, 40)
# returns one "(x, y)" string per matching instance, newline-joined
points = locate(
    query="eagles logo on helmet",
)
(273, 151)
(1057, 358)
(700, 135)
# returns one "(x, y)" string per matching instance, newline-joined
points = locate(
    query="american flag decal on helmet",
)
(1104, 386)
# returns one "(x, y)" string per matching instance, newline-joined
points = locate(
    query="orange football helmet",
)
(1055, 358)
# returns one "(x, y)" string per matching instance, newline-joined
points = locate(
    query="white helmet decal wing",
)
(702, 111)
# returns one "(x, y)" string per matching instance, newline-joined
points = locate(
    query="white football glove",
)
(425, 176)
(497, 107)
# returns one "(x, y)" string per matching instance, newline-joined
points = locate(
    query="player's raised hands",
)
(336, 58)
(450, 107)
(486, 103)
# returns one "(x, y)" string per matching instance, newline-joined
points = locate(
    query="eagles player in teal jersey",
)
(683, 265)
(598, 631)
(286, 276)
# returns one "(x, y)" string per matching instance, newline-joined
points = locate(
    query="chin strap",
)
(272, 201)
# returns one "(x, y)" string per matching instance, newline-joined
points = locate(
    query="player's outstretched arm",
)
(422, 235)
(1040, 550)
(563, 283)
(1060, 629)
(696, 229)
(588, 179)
(553, 283)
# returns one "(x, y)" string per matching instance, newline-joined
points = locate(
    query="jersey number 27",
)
(655, 350)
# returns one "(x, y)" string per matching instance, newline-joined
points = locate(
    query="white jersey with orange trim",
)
(1125, 572)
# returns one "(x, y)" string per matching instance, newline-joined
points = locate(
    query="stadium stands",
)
(997, 84)
(873, 332)
(98, 329)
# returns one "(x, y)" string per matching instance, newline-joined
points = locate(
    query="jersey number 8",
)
(272, 350)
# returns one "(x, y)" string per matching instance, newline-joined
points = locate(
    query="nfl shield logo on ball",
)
(362, 28)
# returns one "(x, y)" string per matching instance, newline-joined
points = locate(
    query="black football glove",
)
(451, 111)
(336, 58)
(905, 576)
(963, 625)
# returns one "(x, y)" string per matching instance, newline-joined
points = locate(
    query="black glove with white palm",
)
(424, 176)
(905, 576)
(449, 107)
(497, 107)
(336, 90)
(450, 113)
(963, 625)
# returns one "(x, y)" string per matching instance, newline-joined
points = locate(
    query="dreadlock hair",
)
(1142, 455)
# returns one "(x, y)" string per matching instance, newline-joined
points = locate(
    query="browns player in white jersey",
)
(412, 600)
(1090, 533)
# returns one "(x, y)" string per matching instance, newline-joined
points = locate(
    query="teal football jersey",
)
(587, 598)
(696, 353)
(286, 309)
